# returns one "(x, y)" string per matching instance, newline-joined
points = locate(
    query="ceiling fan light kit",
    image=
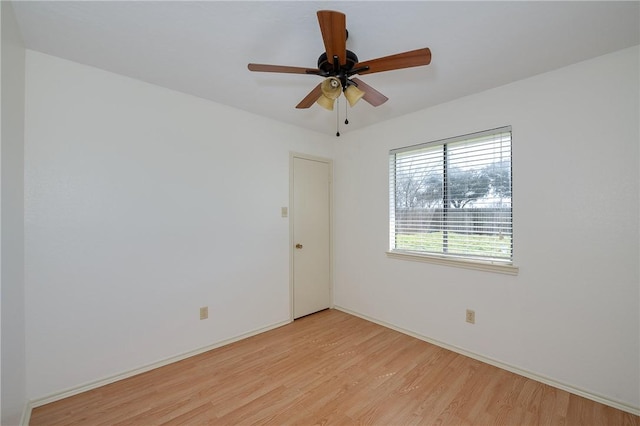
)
(337, 66)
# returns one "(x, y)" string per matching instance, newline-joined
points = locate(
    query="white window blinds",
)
(453, 197)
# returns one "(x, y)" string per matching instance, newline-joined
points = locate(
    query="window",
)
(451, 199)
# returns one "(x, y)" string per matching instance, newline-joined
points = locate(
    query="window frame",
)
(505, 266)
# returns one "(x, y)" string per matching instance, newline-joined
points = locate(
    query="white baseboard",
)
(26, 414)
(108, 380)
(531, 375)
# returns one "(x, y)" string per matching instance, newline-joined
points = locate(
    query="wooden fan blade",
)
(333, 26)
(413, 58)
(371, 95)
(310, 98)
(282, 68)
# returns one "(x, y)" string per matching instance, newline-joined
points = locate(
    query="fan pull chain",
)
(338, 118)
(346, 112)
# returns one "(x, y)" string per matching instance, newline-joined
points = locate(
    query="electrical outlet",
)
(204, 312)
(471, 316)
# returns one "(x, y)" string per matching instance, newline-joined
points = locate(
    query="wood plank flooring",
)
(328, 368)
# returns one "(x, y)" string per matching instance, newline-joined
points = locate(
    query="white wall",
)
(13, 370)
(572, 313)
(142, 205)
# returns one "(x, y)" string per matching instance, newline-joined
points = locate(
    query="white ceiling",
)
(202, 48)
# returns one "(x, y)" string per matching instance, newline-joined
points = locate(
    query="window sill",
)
(458, 263)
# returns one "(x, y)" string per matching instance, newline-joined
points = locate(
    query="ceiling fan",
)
(338, 66)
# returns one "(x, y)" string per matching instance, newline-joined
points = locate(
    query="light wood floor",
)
(328, 368)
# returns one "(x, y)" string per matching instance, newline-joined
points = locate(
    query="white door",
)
(311, 235)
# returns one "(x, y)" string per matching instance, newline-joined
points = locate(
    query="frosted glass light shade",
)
(331, 88)
(325, 102)
(353, 94)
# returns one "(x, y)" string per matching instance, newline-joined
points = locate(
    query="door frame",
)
(329, 162)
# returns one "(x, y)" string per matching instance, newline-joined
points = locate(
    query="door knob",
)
(298, 246)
